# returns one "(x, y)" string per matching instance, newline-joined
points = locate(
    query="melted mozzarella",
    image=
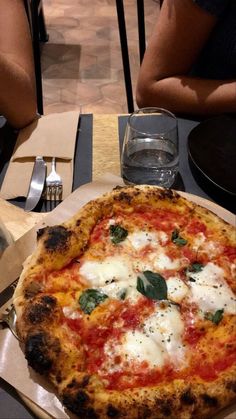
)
(113, 268)
(176, 289)
(116, 289)
(163, 261)
(198, 241)
(138, 346)
(162, 236)
(211, 248)
(70, 313)
(210, 291)
(159, 341)
(165, 327)
(140, 239)
(134, 347)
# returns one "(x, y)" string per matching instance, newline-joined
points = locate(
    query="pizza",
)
(128, 308)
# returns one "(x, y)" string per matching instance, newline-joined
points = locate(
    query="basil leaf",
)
(90, 299)
(174, 235)
(196, 267)
(117, 233)
(177, 239)
(152, 285)
(216, 317)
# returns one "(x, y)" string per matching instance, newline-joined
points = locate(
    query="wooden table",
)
(105, 159)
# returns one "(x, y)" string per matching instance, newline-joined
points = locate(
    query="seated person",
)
(190, 62)
(17, 82)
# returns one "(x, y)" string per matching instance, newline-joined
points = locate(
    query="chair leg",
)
(43, 35)
(141, 29)
(125, 54)
(37, 58)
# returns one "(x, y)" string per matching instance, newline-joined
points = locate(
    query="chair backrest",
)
(124, 45)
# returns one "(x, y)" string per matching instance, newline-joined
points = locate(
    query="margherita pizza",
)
(129, 307)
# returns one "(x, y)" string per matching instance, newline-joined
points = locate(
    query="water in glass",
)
(152, 161)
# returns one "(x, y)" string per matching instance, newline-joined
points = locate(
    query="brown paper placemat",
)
(50, 136)
(14, 369)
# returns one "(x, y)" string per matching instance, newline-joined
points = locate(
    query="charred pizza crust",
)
(48, 347)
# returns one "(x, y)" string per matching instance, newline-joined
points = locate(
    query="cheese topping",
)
(164, 262)
(176, 289)
(158, 342)
(165, 327)
(140, 239)
(198, 241)
(70, 313)
(113, 268)
(210, 291)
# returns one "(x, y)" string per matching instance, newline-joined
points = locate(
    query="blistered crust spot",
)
(125, 197)
(165, 407)
(231, 385)
(57, 239)
(209, 400)
(77, 400)
(187, 398)
(40, 351)
(112, 411)
(41, 310)
(41, 231)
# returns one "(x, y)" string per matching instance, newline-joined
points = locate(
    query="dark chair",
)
(34, 10)
(124, 45)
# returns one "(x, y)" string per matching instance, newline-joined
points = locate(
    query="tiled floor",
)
(81, 63)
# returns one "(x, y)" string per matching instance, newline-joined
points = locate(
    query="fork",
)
(54, 184)
(9, 318)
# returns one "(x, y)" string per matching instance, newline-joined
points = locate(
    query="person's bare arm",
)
(180, 34)
(17, 80)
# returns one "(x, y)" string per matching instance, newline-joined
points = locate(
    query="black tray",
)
(212, 152)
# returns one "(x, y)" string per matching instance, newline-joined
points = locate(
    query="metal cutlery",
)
(9, 318)
(36, 184)
(7, 310)
(54, 186)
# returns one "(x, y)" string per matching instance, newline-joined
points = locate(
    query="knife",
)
(36, 184)
(6, 296)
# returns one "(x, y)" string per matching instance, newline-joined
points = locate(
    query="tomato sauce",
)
(230, 252)
(188, 253)
(140, 377)
(94, 337)
(209, 371)
(192, 335)
(100, 231)
(196, 226)
(164, 220)
(135, 374)
(76, 325)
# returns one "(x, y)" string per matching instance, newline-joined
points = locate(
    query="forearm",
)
(198, 96)
(17, 93)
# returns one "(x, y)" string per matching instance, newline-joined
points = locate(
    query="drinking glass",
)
(150, 153)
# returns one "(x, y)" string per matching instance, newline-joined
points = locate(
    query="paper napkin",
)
(50, 136)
